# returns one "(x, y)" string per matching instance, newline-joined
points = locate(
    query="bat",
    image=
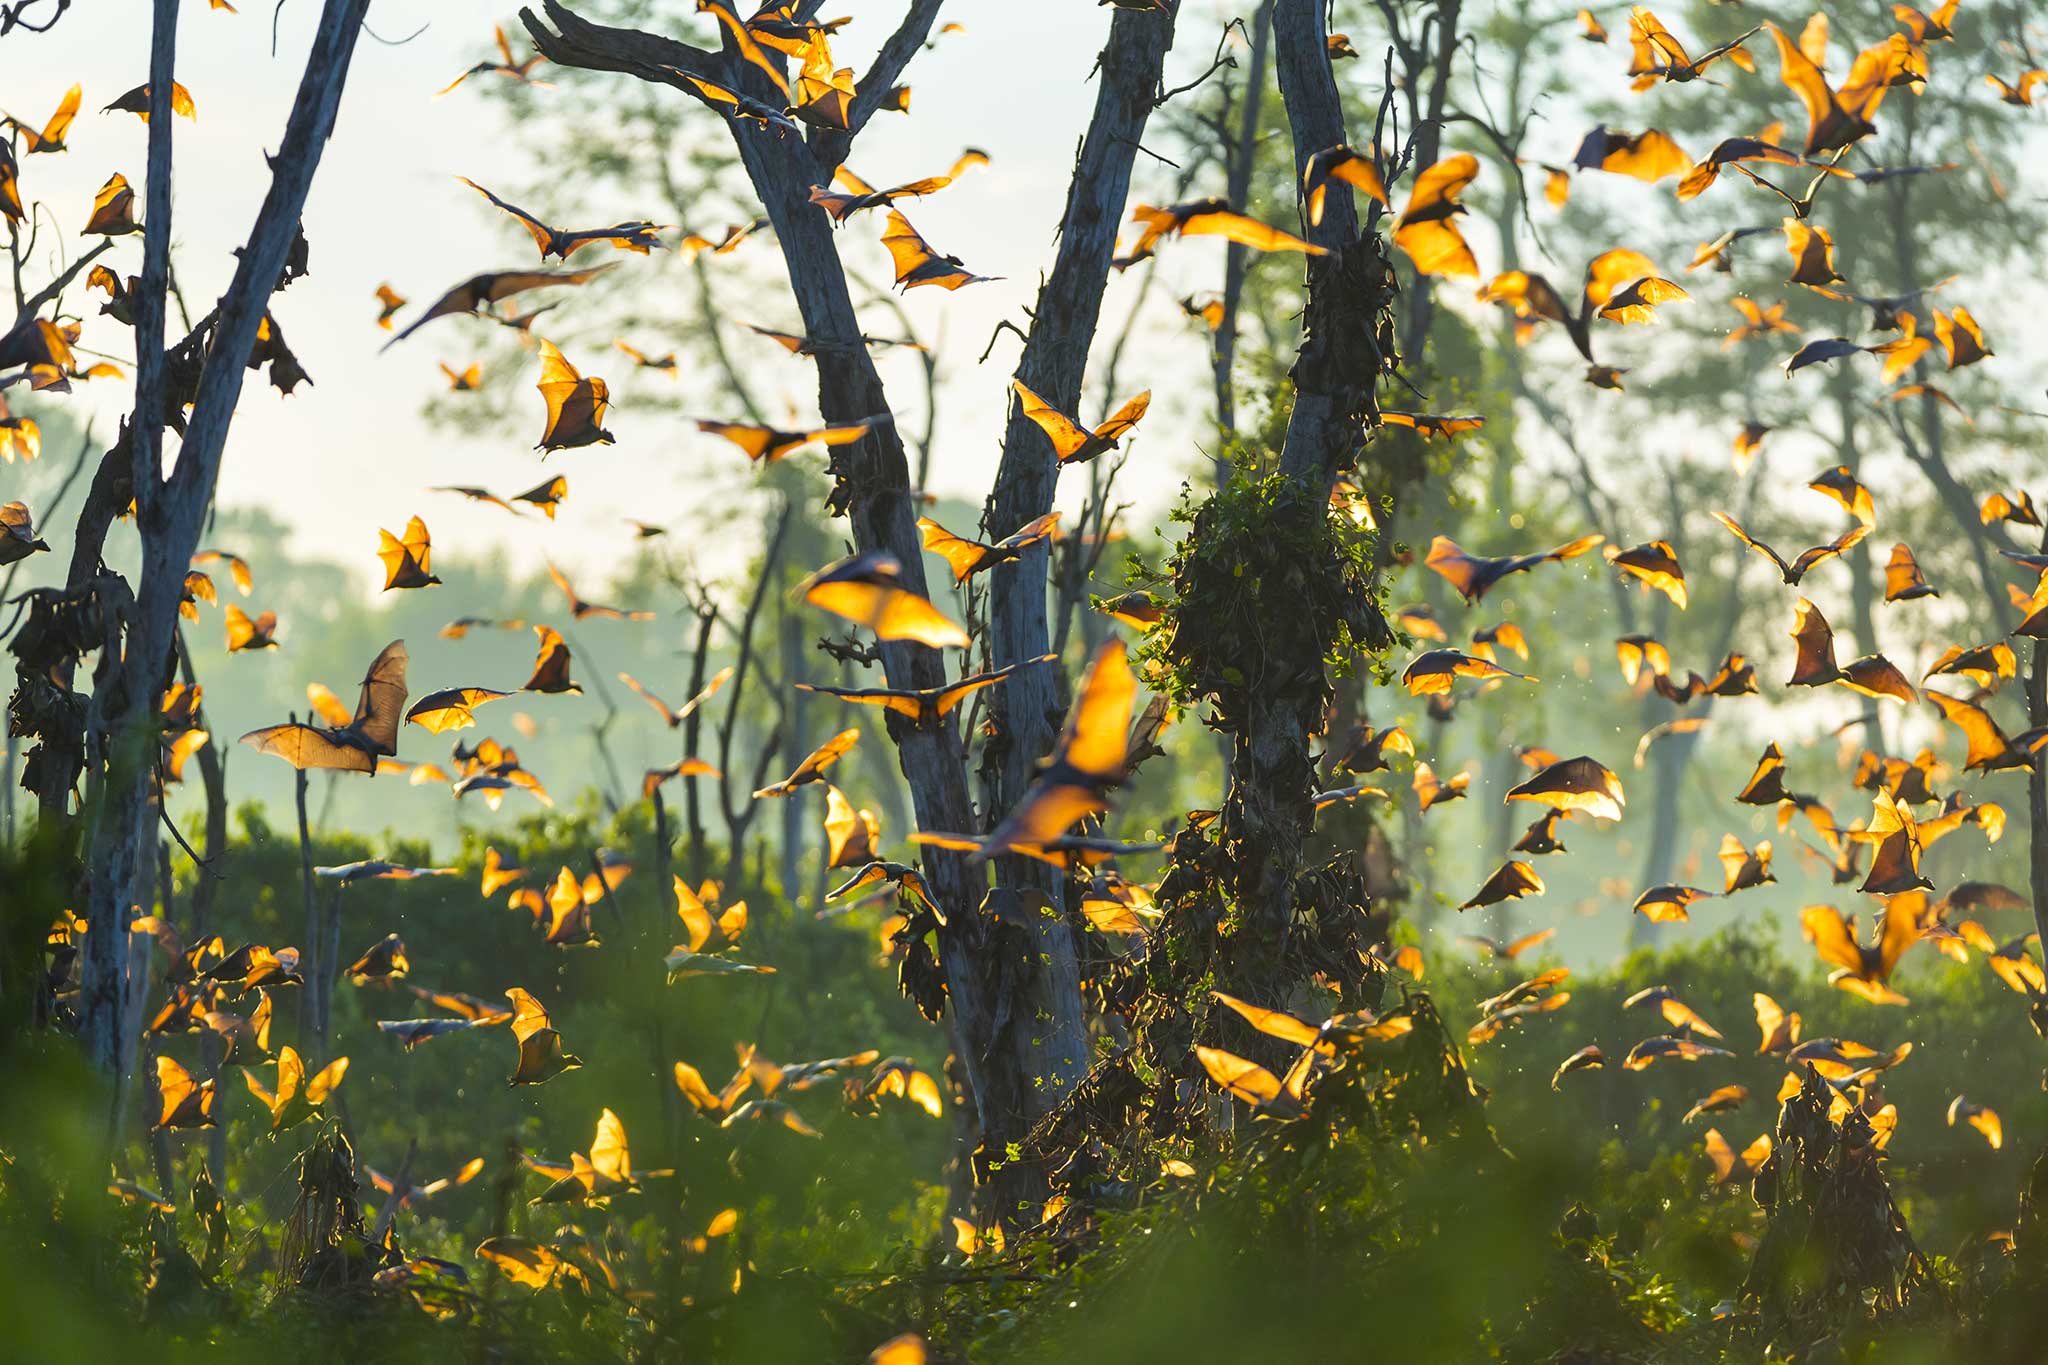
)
(1429, 791)
(1984, 665)
(1508, 952)
(1984, 1120)
(1873, 675)
(451, 708)
(1072, 442)
(867, 590)
(1088, 759)
(1656, 55)
(907, 880)
(576, 405)
(389, 301)
(1863, 970)
(969, 557)
(1669, 1046)
(2021, 92)
(1574, 784)
(1934, 28)
(472, 294)
(407, 561)
(1676, 1012)
(1590, 29)
(19, 436)
(299, 1096)
(852, 837)
(238, 568)
(504, 66)
(1510, 881)
(1430, 426)
(462, 625)
(384, 961)
(1895, 863)
(1730, 1165)
(797, 344)
(51, 136)
(1812, 249)
(652, 779)
(540, 1047)
(483, 495)
(1505, 635)
(185, 1103)
(1757, 322)
(1343, 165)
(635, 236)
(551, 665)
(1209, 311)
(1989, 749)
(581, 609)
(699, 923)
(547, 495)
(924, 706)
(113, 210)
(1207, 218)
(673, 718)
(1667, 903)
(899, 1077)
(1433, 672)
(812, 768)
(735, 105)
(1744, 867)
(859, 195)
(376, 869)
(1473, 575)
(1541, 837)
(1849, 494)
(1369, 749)
(463, 381)
(1590, 1057)
(1427, 229)
(1960, 337)
(1649, 156)
(10, 185)
(1621, 285)
(917, 263)
(1837, 118)
(18, 538)
(1721, 1100)
(641, 360)
(770, 444)
(1795, 570)
(1743, 152)
(354, 747)
(1655, 564)
(136, 102)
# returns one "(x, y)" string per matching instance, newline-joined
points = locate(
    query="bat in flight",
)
(298, 1096)
(1654, 54)
(798, 344)
(1989, 749)
(136, 102)
(1207, 218)
(812, 768)
(1508, 952)
(541, 1057)
(1837, 117)
(1655, 564)
(408, 559)
(451, 708)
(665, 364)
(2021, 91)
(633, 236)
(1575, 784)
(1873, 675)
(1088, 759)
(389, 301)
(1796, 569)
(855, 194)
(113, 210)
(1741, 153)
(581, 609)
(503, 66)
(18, 538)
(1512, 880)
(852, 837)
(1862, 969)
(576, 406)
(551, 665)
(474, 494)
(1472, 575)
(769, 444)
(969, 557)
(1342, 164)
(674, 717)
(916, 262)
(923, 706)
(1432, 673)
(1428, 228)
(50, 137)
(1072, 442)
(867, 589)
(463, 381)
(353, 747)
(1621, 285)
(1649, 156)
(472, 294)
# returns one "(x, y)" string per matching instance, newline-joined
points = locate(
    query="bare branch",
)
(830, 145)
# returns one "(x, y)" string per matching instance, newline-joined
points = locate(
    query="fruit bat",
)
(504, 66)
(1429, 791)
(463, 381)
(916, 262)
(1344, 165)
(770, 444)
(867, 590)
(576, 406)
(2020, 92)
(1675, 1012)
(551, 665)
(925, 706)
(1207, 218)
(1655, 54)
(238, 568)
(1895, 865)
(859, 195)
(1574, 784)
(1508, 952)
(633, 236)
(1744, 867)
(852, 837)
(353, 747)
(1666, 904)
(1541, 837)
(1667, 1046)
(1087, 760)
(1369, 748)
(18, 538)
(298, 1096)
(1590, 1057)
(797, 344)
(665, 364)
(1983, 1119)
(451, 708)
(1984, 665)
(472, 294)
(1796, 570)
(1836, 118)
(389, 302)
(1433, 672)
(969, 557)
(1930, 28)
(51, 137)
(581, 609)
(1427, 229)
(1960, 338)
(185, 1103)
(1730, 1165)
(1071, 441)
(547, 495)
(1812, 249)
(113, 210)
(907, 880)
(136, 102)
(1510, 881)
(1864, 970)
(1649, 156)
(1720, 1100)
(386, 959)
(1429, 425)
(540, 1047)
(673, 718)
(1989, 749)
(1655, 564)
(1757, 322)
(1473, 575)
(1741, 153)
(1849, 493)
(407, 561)
(1873, 675)
(812, 768)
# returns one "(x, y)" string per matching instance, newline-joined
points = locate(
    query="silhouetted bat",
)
(633, 236)
(355, 746)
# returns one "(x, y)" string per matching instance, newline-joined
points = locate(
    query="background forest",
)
(1296, 1036)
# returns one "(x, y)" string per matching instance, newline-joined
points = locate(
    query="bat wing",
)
(962, 555)
(1816, 642)
(305, 746)
(382, 703)
(1098, 725)
(1236, 227)
(1067, 435)
(893, 613)
(542, 234)
(1123, 419)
